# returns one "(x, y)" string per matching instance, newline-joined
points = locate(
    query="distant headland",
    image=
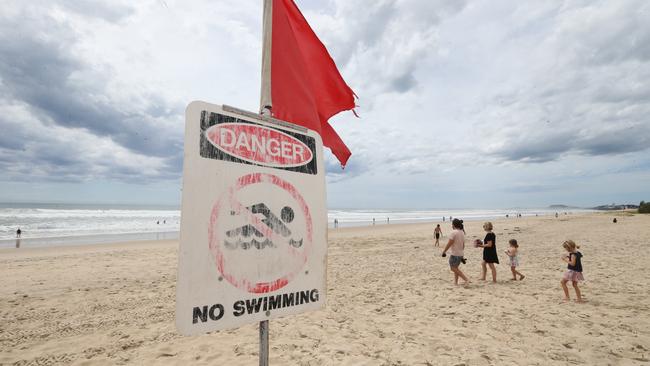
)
(610, 207)
(615, 207)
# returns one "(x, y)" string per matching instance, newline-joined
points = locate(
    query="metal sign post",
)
(265, 104)
(264, 343)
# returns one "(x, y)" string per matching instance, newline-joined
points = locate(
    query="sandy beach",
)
(391, 301)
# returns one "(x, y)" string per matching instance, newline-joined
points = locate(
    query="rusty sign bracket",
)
(259, 117)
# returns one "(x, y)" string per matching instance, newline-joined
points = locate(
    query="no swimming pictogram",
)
(260, 246)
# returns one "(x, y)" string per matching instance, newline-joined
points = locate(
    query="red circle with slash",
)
(215, 235)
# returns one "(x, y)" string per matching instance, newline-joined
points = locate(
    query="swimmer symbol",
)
(277, 225)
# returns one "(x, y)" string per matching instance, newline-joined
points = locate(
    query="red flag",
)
(306, 87)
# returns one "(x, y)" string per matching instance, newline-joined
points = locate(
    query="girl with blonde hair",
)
(574, 270)
(490, 256)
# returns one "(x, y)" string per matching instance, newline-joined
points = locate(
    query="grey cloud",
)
(357, 165)
(39, 71)
(384, 43)
(42, 74)
(549, 146)
(403, 83)
(535, 149)
(607, 39)
(584, 97)
(624, 140)
(111, 12)
(11, 138)
(364, 31)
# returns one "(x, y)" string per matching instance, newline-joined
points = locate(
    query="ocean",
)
(73, 224)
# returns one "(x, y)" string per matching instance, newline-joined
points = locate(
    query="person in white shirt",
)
(456, 245)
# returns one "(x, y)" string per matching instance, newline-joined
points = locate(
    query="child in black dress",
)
(490, 256)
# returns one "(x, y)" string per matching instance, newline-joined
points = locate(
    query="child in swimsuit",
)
(512, 253)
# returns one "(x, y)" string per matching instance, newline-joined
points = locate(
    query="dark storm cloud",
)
(543, 147)
(536, 149)
(624, 140)
(40, 72)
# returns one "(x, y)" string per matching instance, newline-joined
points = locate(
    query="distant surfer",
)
(18, 233)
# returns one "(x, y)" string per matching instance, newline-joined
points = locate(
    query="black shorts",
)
(437, 236)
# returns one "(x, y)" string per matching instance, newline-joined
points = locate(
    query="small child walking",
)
(511, 252)
(574, 270)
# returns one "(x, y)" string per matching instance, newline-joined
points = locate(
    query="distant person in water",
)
(437, 232)
(19, 233)
(615, 221)
(336, 223)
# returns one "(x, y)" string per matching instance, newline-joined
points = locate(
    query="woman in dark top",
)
(489, 252)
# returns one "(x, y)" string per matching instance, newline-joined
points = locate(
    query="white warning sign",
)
(253, 238)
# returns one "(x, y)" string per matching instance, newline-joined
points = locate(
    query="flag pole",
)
(265, 94)
(265, 109)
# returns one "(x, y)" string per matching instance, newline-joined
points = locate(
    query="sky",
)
(462, 104)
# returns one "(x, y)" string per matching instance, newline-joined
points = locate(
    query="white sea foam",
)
(43, 224)
(47, 223)
(365, 217)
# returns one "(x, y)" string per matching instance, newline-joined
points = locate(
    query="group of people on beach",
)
(456, 247)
